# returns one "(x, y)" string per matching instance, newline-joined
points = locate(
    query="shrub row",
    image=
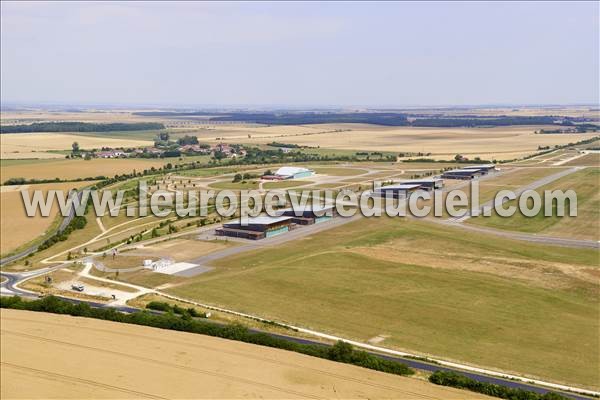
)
(448, 378)
(175, 309)
(23, 181)
(341, 351)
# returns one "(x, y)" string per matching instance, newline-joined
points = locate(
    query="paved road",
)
(9, 286)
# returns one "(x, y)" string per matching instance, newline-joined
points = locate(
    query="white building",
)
(293, 172)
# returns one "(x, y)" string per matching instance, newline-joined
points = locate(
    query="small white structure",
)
(147, 263)
(294, 172)
(158, 265)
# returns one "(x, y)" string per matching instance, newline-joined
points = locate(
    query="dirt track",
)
(52, 356)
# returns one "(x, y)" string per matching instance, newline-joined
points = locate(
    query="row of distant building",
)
(267, 226)
(195, 149)
(405, 188)
(288, 219)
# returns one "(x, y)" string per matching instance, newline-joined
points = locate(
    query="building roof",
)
(289, 171)
(483, 166)
(401, 186)
(309, 207)
(428, 180)
(462, 170)
(260, 220)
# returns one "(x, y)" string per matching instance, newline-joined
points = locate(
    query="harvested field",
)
(47, 356)
(30, 145)
(73, 169)
(17, 229)
(443, 143)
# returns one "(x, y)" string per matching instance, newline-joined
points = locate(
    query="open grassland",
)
(500, 143)
(510, 179)
(181, 249)
(242, 185)
(429, 289)
(47, 356)
(339, 171)
(17, 229)
(586, 225)
(141, 277)
(31, 145)
(590, 160)
(285, 184)
(123, 261)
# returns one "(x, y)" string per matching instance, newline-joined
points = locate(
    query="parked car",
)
(77, 287)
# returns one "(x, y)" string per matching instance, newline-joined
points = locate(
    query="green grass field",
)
(492, 302)
(339, 171)
(586, 183)
(285, 184)
(247, 185)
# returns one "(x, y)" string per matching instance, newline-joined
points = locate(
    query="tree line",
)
(376, 118)
(80, 127)
(449, 378)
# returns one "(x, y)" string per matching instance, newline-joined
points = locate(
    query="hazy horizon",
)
(300, 55)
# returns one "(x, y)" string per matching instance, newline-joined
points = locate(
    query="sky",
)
(297, 54)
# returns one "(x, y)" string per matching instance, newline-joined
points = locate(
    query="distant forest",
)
(377, 118)
(79, 127)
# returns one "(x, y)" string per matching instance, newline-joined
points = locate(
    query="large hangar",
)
(399, 190)
(464, 174)
(310, 215)
(426, 183)
(484, 169)
(293, 172)
(256, 228)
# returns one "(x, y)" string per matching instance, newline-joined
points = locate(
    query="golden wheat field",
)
(48, 356)
(16, 227)
(500, 143)
(34, 145)
(75, 168)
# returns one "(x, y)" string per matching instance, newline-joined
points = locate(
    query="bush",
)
(175, 309)
(448, 378)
